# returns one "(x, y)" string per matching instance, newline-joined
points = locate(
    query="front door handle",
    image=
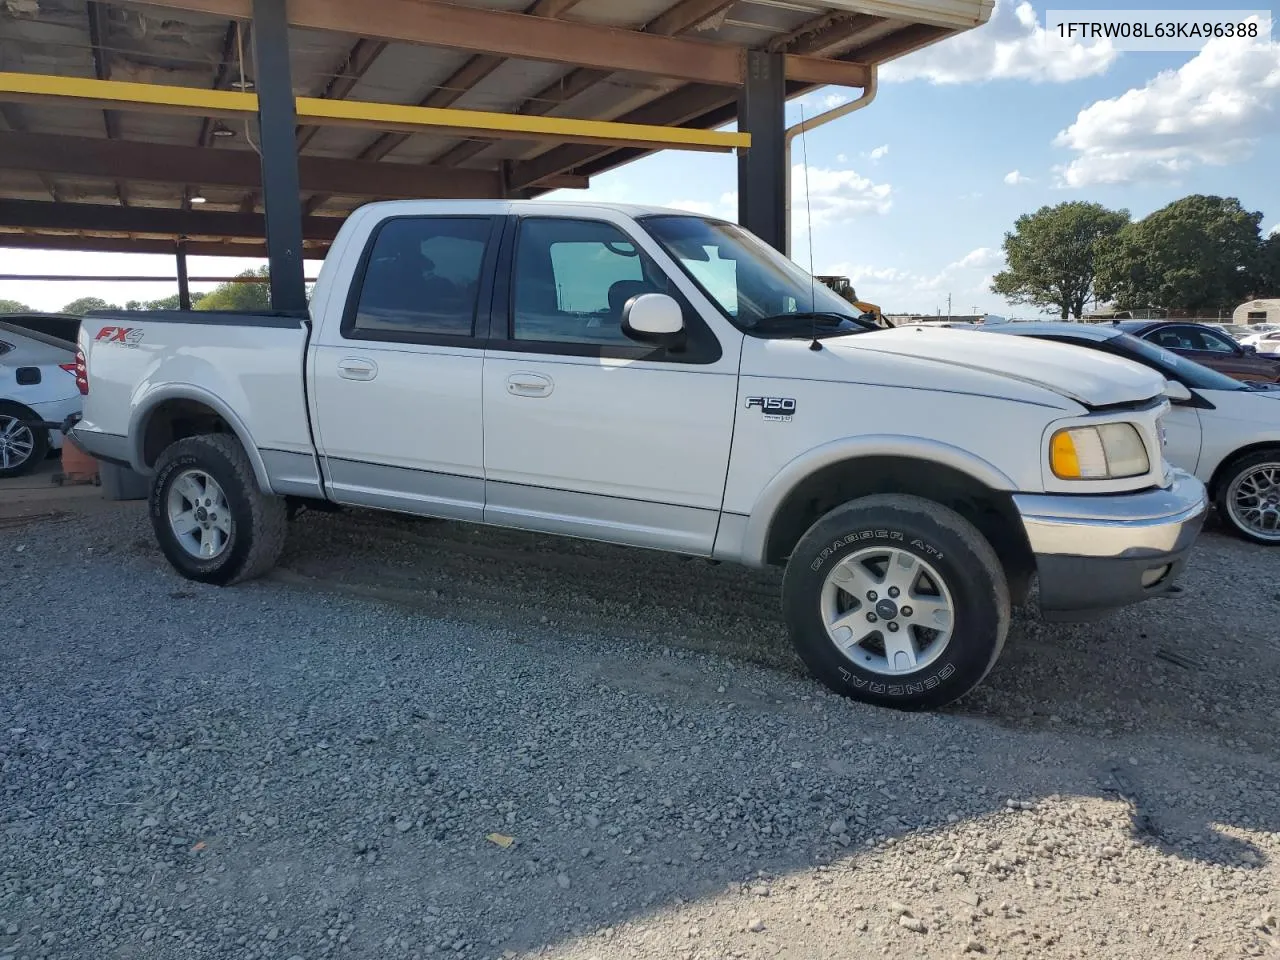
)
(529, 385)
(355, 368)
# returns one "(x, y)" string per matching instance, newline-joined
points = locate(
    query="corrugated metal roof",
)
(153, 45)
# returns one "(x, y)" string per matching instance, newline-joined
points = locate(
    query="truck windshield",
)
(755, 286)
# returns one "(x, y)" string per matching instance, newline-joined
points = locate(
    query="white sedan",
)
(1224, 431)
(37, 387)
(1268, 341)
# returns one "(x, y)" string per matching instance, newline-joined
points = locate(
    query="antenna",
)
(808, 218)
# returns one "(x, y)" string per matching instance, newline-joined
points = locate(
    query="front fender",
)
(755, 533)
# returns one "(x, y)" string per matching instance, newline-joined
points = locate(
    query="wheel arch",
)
(10, 402)
(1219, 472)
(174, 412)
(947, 475)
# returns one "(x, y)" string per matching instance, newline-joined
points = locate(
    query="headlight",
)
(1107, 452)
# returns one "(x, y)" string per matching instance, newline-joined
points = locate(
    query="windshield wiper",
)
(805, 321)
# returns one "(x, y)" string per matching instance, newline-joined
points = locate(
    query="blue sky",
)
(912, 195)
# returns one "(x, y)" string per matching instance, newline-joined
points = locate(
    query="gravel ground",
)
(422, 739)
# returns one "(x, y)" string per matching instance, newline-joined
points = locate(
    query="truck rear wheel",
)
(897, 601)
(212, 521)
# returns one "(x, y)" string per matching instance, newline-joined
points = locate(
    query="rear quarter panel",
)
(254, 367)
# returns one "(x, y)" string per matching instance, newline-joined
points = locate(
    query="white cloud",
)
(833, 100)
(984, 258)
(1015, 178)
(1013, 45)
(1208, 112)
(836, 195)
(967, 280)
(1273, 231)
(701, 207)
(879, 153)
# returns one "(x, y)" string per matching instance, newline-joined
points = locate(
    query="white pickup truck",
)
(656, 379)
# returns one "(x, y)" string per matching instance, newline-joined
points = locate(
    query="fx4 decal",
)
(777, 409)
(129, 336)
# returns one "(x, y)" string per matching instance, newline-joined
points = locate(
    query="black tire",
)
(259, 521)
(9, 412)
(1237, 468)
(962, 558)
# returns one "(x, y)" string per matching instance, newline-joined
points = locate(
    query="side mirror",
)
(1249, 350)
(1177, 391)
(653, 318)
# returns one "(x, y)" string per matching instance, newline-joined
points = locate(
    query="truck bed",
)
(253, 363)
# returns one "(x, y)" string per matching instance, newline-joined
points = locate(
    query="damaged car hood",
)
(1085, 376)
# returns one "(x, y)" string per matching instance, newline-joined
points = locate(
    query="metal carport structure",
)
(252, 127)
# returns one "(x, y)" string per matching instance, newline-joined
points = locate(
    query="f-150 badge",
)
(776, 409)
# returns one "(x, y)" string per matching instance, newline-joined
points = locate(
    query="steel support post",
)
(762, 179)
(281, 190)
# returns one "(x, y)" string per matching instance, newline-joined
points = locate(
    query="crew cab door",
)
(397, 384)
(587, 432)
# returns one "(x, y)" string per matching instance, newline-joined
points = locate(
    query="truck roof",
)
(385, 207)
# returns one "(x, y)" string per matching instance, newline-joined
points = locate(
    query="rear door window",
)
(421, 281)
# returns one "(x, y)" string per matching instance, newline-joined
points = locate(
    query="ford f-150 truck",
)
(656, 379)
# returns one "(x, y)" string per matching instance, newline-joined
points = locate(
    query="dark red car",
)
(1207, 345)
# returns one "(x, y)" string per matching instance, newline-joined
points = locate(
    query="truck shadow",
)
(1157, 668)
(1152, 672)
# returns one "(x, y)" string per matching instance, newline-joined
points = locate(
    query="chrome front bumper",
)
(1097, 553)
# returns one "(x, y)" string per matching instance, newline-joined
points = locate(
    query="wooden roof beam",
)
(11, 119)
(526, 37)
(681, 107)
(459, 83)
(693, 102)
(681, 18)
(161, 163)
(159, 98)
(41, 215)
(106, 244)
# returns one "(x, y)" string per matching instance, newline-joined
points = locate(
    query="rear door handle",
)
(355, 368)
(529, 385)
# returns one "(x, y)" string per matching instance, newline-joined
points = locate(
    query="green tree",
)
(245, 297)
(78, 308)
(164, 303)
(13, 306)
(1198, 253)
(1052, 256)
(1266, 282)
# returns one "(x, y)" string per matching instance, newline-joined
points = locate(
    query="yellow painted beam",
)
(389, 116)
(43, 88)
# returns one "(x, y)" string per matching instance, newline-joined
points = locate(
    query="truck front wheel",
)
(212, 521)
(897, 601)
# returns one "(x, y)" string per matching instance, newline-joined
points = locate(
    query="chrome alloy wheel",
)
(887, 610)
(199, 515)
(17, 442)
(1253, 501)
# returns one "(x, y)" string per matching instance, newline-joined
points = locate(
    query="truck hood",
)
(1088, 377)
